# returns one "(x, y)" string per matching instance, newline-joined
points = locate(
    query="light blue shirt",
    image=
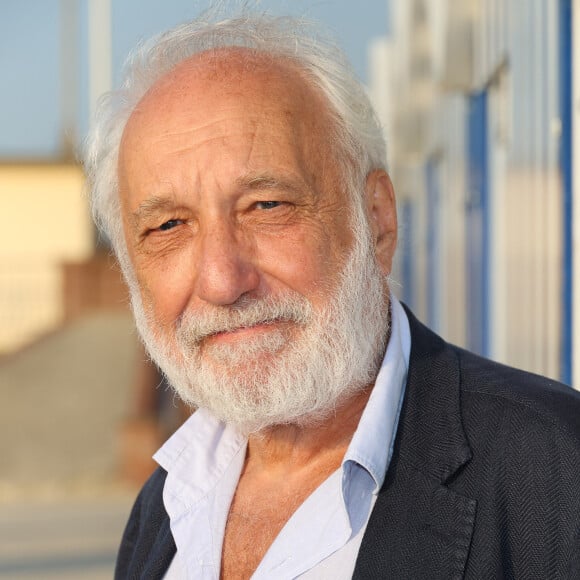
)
(204, 459)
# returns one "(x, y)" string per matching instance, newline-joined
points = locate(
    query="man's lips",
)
(243, 332)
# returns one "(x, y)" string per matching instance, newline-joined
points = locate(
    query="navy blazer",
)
(484, 482)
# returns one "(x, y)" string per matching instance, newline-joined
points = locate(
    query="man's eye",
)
(170, 224)
(267, 204)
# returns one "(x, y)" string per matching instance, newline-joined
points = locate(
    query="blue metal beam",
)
(566, 68)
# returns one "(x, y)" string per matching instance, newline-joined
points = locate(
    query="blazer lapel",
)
(161, 555)
(147, 547)
(419, 528)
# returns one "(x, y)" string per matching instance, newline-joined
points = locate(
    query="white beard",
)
(296, 373)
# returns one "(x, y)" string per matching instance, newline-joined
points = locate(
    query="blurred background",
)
(478, 100)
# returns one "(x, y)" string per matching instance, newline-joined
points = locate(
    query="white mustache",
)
(194, 327)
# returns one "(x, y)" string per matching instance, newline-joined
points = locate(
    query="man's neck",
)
(283, 466)
(284, 449)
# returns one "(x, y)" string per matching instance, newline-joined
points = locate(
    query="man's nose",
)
(225, 266)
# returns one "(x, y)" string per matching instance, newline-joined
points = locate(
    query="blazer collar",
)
(431, 435)
(419, 527)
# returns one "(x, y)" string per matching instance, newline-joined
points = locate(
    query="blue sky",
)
(30, 109)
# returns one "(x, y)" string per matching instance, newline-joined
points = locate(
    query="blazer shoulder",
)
(486, 385)
(522, 392)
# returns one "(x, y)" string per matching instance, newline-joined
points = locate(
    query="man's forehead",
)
(223, 93)
(223, 80)
(233, 67)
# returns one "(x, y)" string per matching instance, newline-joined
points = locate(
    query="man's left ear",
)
(382, 213)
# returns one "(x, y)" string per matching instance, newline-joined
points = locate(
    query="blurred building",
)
(68, 349)
(45, 225)
(480, 127)
(77, 390)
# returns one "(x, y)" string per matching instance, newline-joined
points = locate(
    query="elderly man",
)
(239, 174)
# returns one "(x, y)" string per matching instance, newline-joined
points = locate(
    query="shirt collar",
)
(196, 457)
(378, 424)
(367, 458)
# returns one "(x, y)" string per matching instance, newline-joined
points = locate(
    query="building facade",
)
(480, 125)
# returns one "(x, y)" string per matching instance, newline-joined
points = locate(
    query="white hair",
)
(357, 138)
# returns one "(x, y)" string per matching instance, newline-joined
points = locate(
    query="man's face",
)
(236, 221)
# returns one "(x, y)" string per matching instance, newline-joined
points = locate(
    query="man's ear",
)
(382, 213)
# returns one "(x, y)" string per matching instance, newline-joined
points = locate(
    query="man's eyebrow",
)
(266, 181)
(150, 207)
